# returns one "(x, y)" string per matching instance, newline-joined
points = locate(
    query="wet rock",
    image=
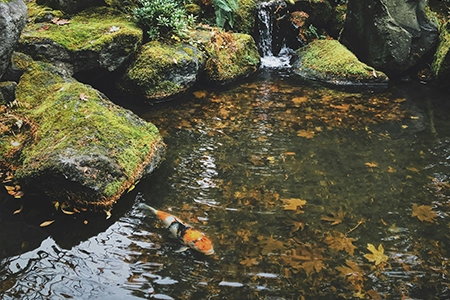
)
(99, 38)
(163, 70)
(391, 36)
(70, 6)
(75, 145)
(13, 15)
(330, 62)
(7, 92)
(230, 56)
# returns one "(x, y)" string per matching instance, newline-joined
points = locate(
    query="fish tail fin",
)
(148, 207)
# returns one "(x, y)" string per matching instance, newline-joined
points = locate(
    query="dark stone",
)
(70, 6)
(391, 35)
(13, 16)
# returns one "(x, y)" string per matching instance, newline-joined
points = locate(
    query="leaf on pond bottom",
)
(424, 213)
(336, 218)
(306, 134)
(306, 258)
(293, 203)
(248, 262)
(353, 273)
(377, 255)
(271, 246)
(339, 241)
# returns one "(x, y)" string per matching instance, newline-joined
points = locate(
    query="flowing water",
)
(306, 192)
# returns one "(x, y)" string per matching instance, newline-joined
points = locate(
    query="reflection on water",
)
(292, 182)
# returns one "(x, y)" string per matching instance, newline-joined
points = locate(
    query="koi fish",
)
(188, 236)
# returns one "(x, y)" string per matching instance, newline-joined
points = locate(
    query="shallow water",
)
(291, 181)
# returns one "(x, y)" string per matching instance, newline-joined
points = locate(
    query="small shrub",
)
(225, 10)
(161, 18)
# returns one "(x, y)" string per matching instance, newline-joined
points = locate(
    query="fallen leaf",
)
(339, 241)
(293, 204)
(336, 218)
(424, 213)
(306, 134)
(17, 211)
(249, 262)
(199, 94)
(84, 97)
(371, 164)
(377, 255)
(59, 21)
(306, 258)
(46, 223)
(353, 273)
(271, 246)
(299, 100)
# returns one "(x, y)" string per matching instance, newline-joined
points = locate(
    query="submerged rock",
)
(13, 15)
(98, 38)
(230, 56)
(163, 70)
(391, 36)
(79, 148)
(330, 62)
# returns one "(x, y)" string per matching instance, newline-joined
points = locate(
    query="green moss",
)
(154, 63)
(39, 13)
(245, 16)
(89, 30)
(71, 115)
(438, 66)
(231, 56)
(331, 57)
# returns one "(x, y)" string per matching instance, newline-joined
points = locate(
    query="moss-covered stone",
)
(245, 16)
(441, 62)
(99, 37)
(330, 62)
(230, 56)
(163, 70)
(80, 147)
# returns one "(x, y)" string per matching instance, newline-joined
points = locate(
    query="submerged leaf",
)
(272, 245)
(336, 218)
(46, 223)
(293, 203)
(339, 241)
(306, 134)
(377, 255)
(424, 213)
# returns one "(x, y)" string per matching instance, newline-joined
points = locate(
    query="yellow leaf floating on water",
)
(46, 223)
(424, 213)
(377, 255)
(293, 203)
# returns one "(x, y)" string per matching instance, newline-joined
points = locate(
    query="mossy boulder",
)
(330, 62)
(163, 70)
(98, 38)
(441, 62)
(245, 16)
(79, 148)
(230, 56)
(70, 6)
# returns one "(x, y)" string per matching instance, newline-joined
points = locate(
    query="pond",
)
(305, 191)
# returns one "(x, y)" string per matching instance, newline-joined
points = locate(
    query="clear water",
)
(237, 159)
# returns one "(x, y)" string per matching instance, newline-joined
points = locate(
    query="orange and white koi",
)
(188, 236)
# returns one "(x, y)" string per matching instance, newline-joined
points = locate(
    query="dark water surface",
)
(297, 186)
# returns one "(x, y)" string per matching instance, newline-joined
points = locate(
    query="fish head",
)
(198, 241)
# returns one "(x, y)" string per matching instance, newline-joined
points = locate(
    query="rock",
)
(70, 6)
(391, 36)
(7, 92)
(13, 16)
(75, 145)
(163, 70)
(99, 38)
(230, 56)
(330, 62)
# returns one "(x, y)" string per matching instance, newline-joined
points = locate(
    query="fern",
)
(225, 10)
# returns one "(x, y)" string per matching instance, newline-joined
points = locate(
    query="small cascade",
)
(270, 39)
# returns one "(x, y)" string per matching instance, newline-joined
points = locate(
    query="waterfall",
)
(270, 38)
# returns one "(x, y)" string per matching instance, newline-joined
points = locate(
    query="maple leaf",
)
(336, 218)
(272, 245)
(377, 255)
(248, 262)
(297, 225)
(353, 273)
(424, 213)
(339, 241)
(293, 203)
(305, 258)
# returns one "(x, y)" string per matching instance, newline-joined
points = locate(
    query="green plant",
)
(225, 10)
(162, 18)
